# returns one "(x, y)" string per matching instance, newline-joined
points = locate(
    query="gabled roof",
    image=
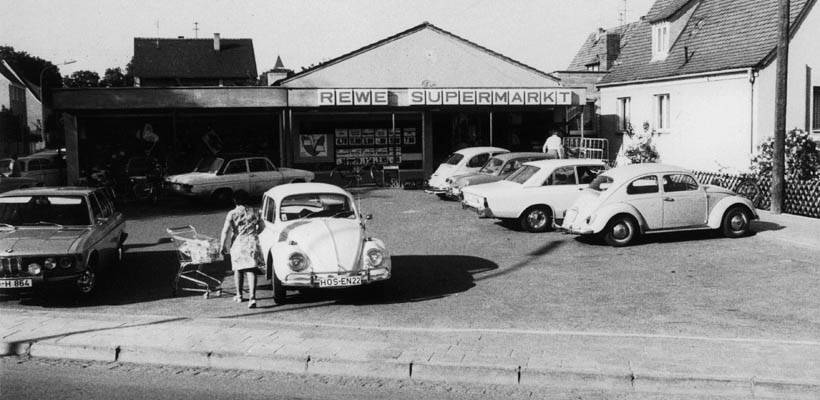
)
(408, 32)
(664, 9)
(594, 46)
(8, 73)
(721, 35)
(193, 58)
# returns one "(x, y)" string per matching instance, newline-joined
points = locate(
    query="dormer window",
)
(593, 67)
(660, 40)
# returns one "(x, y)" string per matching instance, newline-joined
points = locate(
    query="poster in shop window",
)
(315, 147)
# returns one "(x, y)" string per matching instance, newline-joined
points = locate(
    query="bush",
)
(802, 157)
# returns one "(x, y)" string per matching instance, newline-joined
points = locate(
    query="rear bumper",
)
(480, 211)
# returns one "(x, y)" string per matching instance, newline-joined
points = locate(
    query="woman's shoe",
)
(252, 303)
(238, 299)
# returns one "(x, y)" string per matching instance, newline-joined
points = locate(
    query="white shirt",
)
(553, 143)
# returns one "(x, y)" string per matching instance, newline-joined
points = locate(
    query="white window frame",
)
(660, 40)
(662, 111)
(624, 110)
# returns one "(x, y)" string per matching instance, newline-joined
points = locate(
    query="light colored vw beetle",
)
(627, 201)
(314, 237)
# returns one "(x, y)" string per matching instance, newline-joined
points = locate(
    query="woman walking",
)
(242, 228)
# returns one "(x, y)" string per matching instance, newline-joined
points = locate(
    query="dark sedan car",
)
(52, 236)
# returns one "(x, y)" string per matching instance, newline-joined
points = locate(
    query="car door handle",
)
(668, 199)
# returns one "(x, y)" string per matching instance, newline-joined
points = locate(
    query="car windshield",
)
(209, 164)
(523, 174)
(454, 159)
(43, 210)
(316, 205)
(492, 167)
(601, 183)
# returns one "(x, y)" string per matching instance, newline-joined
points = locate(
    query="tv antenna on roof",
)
(196, 30)
(622, 15)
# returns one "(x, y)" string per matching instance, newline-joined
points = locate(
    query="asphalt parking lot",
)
(452, 270)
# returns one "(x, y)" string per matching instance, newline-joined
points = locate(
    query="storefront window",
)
(321, 142)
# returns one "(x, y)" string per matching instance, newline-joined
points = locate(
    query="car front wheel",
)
(621, 231)
(87, 282)
(736, 222)
(279, 293)
(536, 219)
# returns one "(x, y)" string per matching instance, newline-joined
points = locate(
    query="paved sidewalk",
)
(642, 363)
(794, 229)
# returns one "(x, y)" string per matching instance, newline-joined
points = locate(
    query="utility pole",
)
(779, 156)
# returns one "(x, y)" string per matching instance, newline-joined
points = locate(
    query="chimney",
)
(216, 42)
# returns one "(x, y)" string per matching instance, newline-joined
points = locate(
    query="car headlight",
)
(297, 262)
(50, 263)
(34, 269)
(375, 257)
(66, 262)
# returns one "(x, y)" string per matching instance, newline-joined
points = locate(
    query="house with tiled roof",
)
(20, 131)
(591, 63)
(700, 74)
(193, 62)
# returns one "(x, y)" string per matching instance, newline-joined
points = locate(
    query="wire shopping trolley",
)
(194, 251)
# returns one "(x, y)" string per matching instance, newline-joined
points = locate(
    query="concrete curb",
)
(614, 380)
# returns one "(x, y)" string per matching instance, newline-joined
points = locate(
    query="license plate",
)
(15, 283)
(335, 281)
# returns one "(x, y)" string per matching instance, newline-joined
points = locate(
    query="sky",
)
(99, 34)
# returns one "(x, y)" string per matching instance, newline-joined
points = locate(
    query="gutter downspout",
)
(752, 74)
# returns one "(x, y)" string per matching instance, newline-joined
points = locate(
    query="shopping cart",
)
(194, 251)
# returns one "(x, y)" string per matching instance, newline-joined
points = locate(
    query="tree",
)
(82, 78)
(802, 159)
(114, 77)
(29, 67)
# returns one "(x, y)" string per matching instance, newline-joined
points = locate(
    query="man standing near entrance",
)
(554, 147)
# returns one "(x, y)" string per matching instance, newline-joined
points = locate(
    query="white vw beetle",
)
(534, 194)
(464, 161)
(314, 237)
(627, 201)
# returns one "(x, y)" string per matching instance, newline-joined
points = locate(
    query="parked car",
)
(314, 237)
(219, 177)
(537, 193)
(46, 167)
(11, 183)
(462, 162)
(628, 201)
(58, 236)
(497, 168)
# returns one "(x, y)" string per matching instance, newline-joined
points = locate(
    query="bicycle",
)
(369, 173)
(742, 183)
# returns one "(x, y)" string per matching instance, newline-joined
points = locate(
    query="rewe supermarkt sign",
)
(422, 97)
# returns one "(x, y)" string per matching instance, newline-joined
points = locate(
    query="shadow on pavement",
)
(144, 276)
(763, 226)
(415, 278)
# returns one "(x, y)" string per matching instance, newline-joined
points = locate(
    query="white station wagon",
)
(464, 161)
(535, 194)
(219, 177)
(625, 202)
(314, 237)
